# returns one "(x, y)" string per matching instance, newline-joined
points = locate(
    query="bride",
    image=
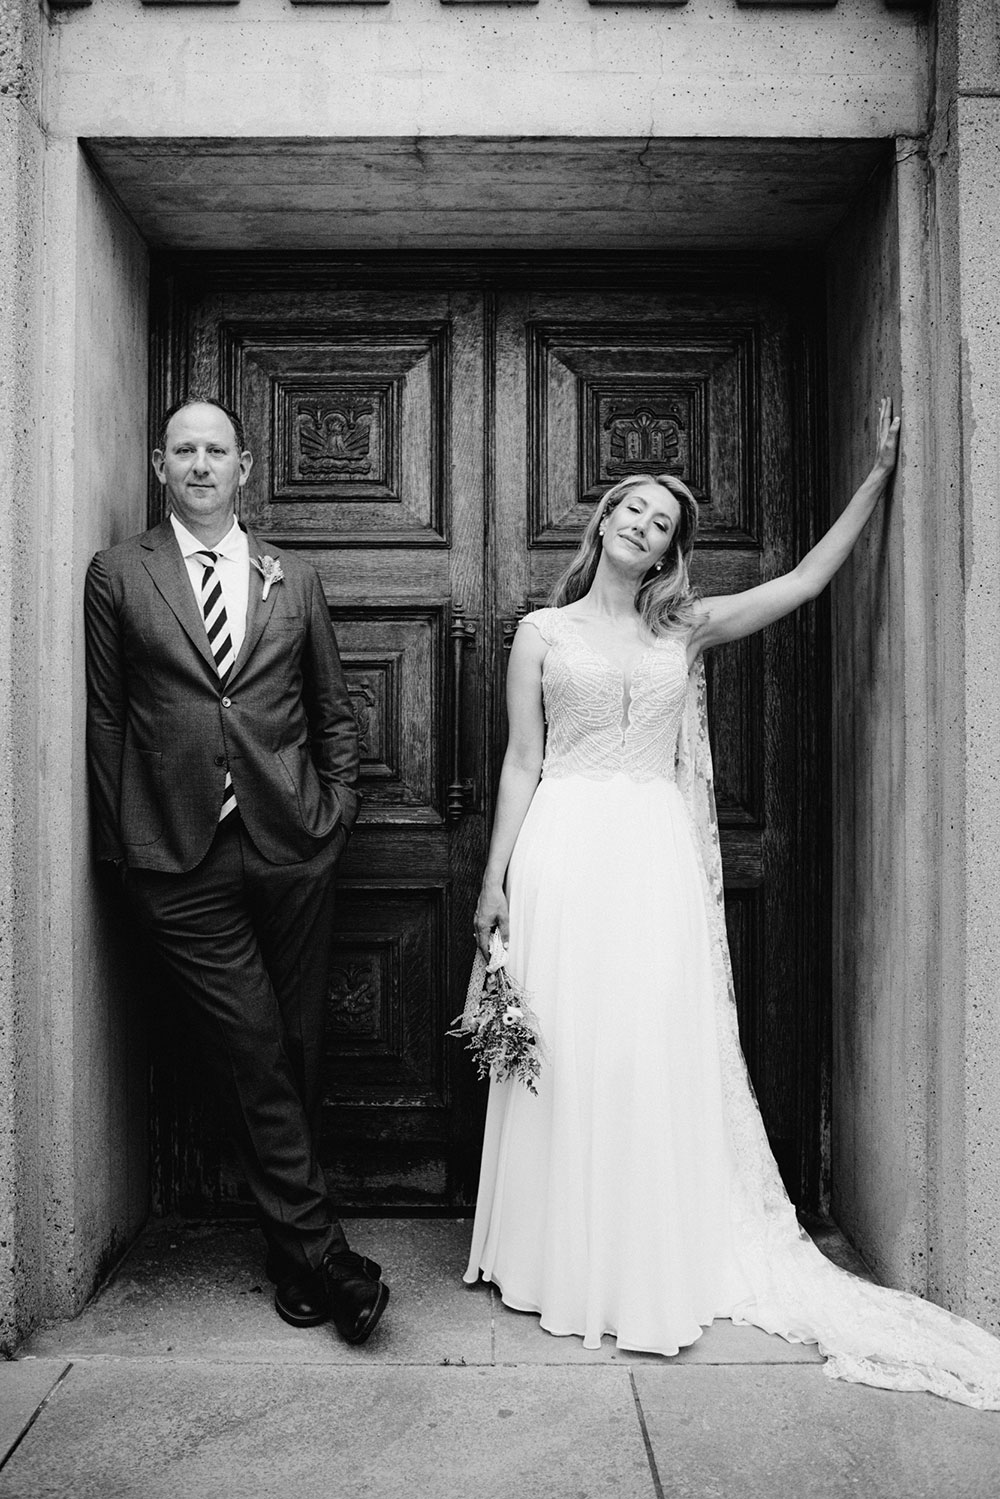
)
(635, 1194)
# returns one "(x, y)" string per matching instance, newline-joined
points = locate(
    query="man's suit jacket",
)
(162, 730)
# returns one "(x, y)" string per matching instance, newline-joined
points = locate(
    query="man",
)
(223, 753)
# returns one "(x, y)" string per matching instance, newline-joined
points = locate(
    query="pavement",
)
(178, 1381)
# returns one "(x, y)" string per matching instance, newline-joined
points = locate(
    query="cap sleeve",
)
(545, 621)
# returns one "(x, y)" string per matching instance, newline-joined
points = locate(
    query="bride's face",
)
(641, 527)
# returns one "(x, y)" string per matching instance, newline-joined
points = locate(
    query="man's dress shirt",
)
(232, 570)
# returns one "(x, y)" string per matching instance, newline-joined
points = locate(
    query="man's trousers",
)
(247, 945)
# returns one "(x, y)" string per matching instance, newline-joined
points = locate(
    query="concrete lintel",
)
(459, 192)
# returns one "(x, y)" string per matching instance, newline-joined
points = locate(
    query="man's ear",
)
(157, 461)
(246, 464)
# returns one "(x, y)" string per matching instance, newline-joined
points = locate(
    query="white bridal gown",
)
(636, 1194)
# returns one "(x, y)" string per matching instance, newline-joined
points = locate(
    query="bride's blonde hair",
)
(664, 599)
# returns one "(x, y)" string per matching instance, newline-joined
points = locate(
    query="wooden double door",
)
(432, 438)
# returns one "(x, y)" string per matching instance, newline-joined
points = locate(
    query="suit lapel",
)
(258, 609)
(166, 567)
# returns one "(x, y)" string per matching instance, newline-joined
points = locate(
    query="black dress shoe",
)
(355, 1295)
(302, 1302)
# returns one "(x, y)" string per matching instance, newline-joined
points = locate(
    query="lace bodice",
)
(591, 728)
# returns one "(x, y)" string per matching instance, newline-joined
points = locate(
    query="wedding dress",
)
(636, 1194)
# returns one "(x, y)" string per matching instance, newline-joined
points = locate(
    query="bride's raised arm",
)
(732, 616)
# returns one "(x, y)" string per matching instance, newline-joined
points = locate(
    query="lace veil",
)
(869, 1334)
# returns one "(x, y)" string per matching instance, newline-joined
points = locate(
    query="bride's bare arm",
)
(732, 616)
(522, 767)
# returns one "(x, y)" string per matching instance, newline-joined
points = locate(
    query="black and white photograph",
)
(500, 749)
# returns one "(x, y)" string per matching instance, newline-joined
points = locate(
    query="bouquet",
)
(499, 1022)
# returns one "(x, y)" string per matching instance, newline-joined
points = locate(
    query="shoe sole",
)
(294, 1320)
(373, 1316)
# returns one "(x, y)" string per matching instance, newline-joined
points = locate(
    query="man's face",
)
(201, 467)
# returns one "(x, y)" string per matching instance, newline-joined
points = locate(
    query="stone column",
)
(21, 161)
(73, 355)
(964, 220)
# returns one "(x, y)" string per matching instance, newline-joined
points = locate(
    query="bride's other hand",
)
(491, 912)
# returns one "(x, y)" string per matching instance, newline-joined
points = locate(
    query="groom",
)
(223, 755)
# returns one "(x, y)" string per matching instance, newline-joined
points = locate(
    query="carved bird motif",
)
(342, 433)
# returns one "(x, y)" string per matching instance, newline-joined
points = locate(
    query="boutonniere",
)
(269, 569)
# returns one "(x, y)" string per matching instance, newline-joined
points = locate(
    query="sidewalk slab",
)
(518, 1339)
(24, 1384)
(171, 1430)
(792, 1433)
(198, 1290)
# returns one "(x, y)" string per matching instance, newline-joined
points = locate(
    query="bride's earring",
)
(602, 528)
(658, 566)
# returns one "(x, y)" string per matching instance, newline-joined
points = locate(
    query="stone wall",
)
(420, 68)
(73, 351)
(883, 645)
(21, 166)
(917, 1029)
(963, 210)
(94, 493)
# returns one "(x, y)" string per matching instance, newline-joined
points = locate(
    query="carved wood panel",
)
(387, 1099)
(607, 400)
(387, 1014)
(357, 426)
(394, 661)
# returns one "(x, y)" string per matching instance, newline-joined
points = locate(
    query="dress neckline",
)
(600, 656)
(627, 681)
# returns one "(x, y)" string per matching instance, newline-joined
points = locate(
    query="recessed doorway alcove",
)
(783, 252)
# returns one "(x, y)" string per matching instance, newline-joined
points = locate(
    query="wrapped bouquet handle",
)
(501, 1027)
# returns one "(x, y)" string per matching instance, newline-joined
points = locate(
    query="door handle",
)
(508, 625)
(460, 789)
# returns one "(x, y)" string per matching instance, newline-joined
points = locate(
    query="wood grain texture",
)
(513, 374)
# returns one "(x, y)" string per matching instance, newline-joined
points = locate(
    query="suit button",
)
(220, 759)
(227, 702)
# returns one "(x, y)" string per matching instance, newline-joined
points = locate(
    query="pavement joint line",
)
(445, 1361)
(650, 1454)
(5, 1459)
(493, 1325)
(83, 1359)
(229, 1360)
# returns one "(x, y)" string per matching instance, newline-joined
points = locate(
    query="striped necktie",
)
(213, 607)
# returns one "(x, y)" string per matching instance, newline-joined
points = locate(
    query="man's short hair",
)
(237, 425)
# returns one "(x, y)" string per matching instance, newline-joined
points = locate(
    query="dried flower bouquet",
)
(498, 1020)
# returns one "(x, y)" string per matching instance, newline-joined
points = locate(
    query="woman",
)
(635, 1194)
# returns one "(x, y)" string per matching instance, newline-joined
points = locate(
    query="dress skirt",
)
(605, 1201)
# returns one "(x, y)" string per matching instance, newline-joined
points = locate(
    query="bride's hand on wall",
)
(491, 911)
(887, 450)
(733, 616)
